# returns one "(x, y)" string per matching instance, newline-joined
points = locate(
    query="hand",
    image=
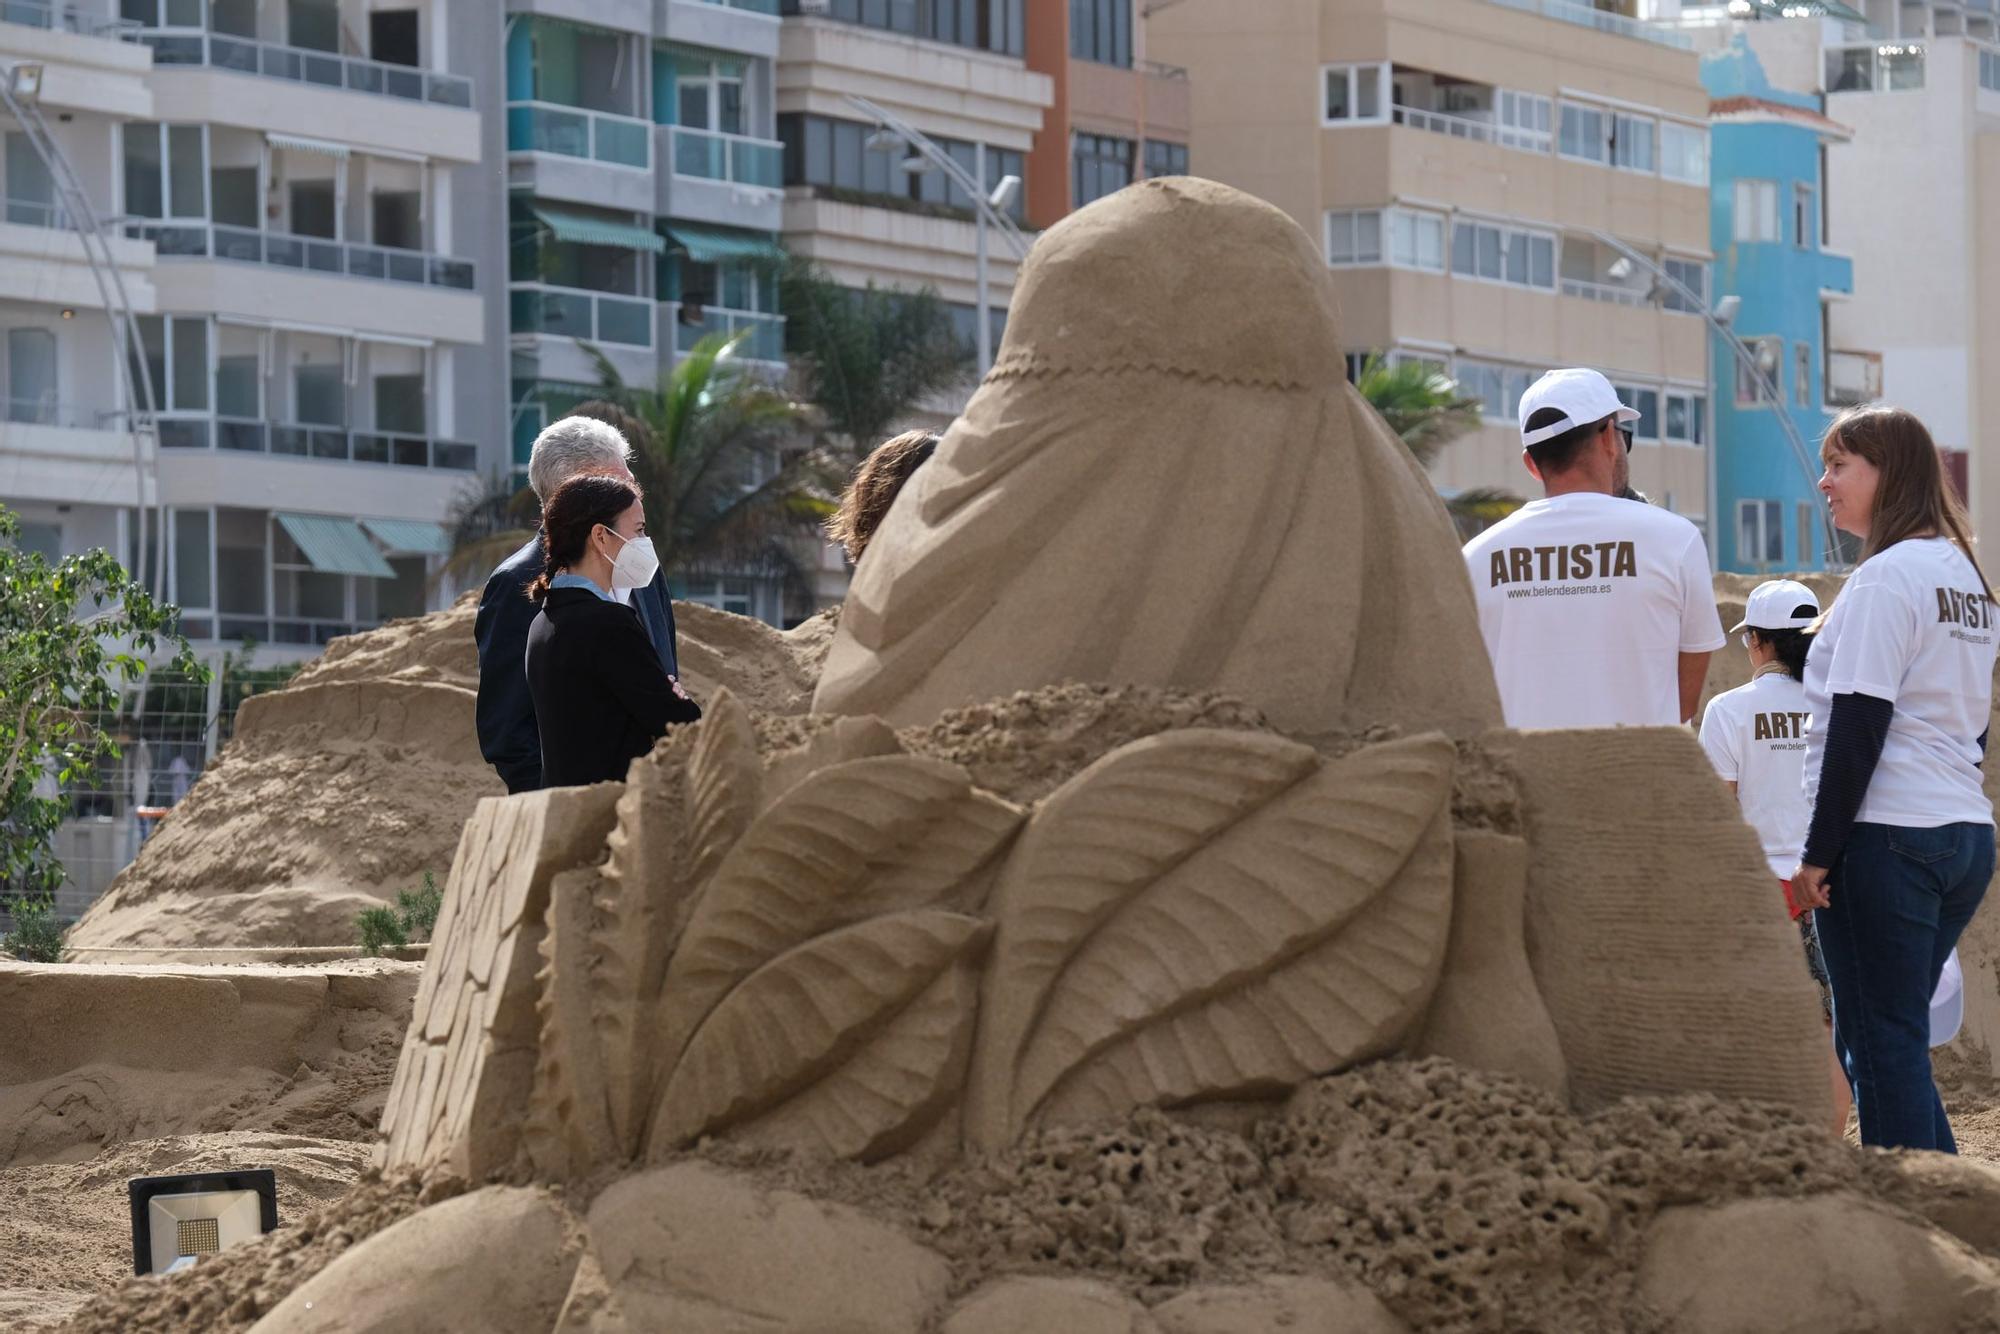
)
(1809, 887)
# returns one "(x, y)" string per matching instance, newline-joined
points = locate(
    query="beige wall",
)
(1104, 99)
(1984, 445)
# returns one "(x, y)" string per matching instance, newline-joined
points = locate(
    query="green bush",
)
(418, 908)
(36, 937)
(381, 930)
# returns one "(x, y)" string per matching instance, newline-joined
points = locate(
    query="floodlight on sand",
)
(178, 1219)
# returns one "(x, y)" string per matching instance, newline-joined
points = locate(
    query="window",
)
(1686, 417)
(708, 93)
(1353, 94)
(1354, 237)
(1525, 120)
(1989, 70)
(986, 25)
(31, 191)
(1692, 274)
(1891, 67)
(162, 13)
(31, 376)
(1805, 219)
(1099, 165)
(194, 582)
(1646, 402)
(1101, 31)
(165, 172)
(319, 396)
(175, 348)
(1760, 533)
(1757, 384)
(1684, 152)
(1416, 240)
(1756, 210)
(1498, 388)
(1802, 373)
(833, 154)
(1166, 159)
(1808, 531)
(1632, 142)
(1585, 134)
(1505, 254)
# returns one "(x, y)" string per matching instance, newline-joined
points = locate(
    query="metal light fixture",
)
(24, 81)
(1003, 193)
(885, 140)
(916, 164)
(1619, 269)
(178, 1219)
(1725, 309)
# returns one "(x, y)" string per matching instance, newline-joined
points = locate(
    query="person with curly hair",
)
(876, 483)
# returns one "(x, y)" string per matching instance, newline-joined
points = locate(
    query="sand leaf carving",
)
(858, 1028)
(851, 842)
(568, 1127)
(1165, 940)
(724, 780)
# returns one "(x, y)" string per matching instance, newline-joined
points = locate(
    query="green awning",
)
(410, 537)
(586, 230)
(335, 546)
(711, 245)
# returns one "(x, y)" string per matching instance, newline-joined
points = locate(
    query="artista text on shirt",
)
(1968, 611)
(1552, 567)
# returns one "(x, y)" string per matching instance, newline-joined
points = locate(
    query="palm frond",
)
(1420, 403)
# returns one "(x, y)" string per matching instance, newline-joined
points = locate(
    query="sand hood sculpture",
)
(1165, 480)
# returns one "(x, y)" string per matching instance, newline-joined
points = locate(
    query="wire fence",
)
(170, 729)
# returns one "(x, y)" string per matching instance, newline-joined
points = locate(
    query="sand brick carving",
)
(469, 1059)
(1248, 524)
(1655, 933)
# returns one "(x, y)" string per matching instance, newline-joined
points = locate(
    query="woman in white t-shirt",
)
(1900, 844)
(1755, 738)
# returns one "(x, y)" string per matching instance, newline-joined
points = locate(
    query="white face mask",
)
(636, 564)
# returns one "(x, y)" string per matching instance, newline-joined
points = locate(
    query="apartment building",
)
(1481, 174)
(295, 202)
(643, 208)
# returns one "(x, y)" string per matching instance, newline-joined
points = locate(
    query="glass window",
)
(1690, 273)
(1542, 262)
(1850, 70)
(1486, 243)
(1462, 260)
(1416, 240)
(1525, 120)
(1516, 244)
(987, 25)
(1684, 152)
(1166, 159)
(1583, 133)
(1632, 142)
(1647, 401)
(1353, 93)
(1902, 68)
(1805, 218)
(320, 395)
(1802, 373)
(32, 394)
(145, 196)
(1756, 210)
(1099, 165)
(1755, 383)
(194, 584)
(190, 364)
(31, 191)
(241, 561)
(1101, 31)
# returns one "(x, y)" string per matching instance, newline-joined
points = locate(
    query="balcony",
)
(544, 127)
(1852, 378)
(58, 16)
(1586, 16)
(691, 324)
(322, 443)
(1477, 130)
(247, 245)
(714, 156)
(730, 180)
(1611, 293)
(324, 69)
(589, 317)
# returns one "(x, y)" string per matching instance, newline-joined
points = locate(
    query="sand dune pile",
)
(355, 779)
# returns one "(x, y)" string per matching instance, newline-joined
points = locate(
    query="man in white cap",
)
(1597, 612)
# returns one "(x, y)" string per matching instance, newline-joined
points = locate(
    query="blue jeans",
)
(1900, 899)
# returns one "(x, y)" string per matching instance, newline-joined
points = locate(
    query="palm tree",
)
(867, 357)
(487, 521)
(1425, 409)
(715, 448)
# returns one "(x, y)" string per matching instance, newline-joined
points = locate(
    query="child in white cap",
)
(1755, 736)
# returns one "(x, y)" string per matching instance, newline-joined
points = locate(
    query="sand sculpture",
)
(1134, 1007)
(1164, 480)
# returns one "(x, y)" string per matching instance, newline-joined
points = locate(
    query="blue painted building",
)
(1767, 211)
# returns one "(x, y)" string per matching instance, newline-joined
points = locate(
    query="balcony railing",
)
(1584, 16)
(544, 127)
(715, 156)
(327, 443)
(247, 245)
(769, 7)
(593, 317)
(285, 629)
(34, 213)
(1479, 131)
(1608, 292)
(765, 343)
(59, 15)
(45, 410)
(186, 46)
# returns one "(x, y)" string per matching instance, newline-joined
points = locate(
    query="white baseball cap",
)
(1778, 604)
(1582, 396)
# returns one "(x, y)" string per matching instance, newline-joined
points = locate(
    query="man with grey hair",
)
(508, 736)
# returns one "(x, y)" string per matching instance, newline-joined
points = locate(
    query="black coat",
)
(508, 737)
(601, 700)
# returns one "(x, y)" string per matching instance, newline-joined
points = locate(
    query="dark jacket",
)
(505, 716)
(600, 698)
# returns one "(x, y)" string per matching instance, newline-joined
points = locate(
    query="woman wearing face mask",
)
(601, 698)
(1900, 684)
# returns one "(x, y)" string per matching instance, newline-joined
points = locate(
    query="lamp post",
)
(1719, 320)
(894, 133)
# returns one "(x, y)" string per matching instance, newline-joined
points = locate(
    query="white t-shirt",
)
(1586, 602)
(1913, 627)
(1755, 736)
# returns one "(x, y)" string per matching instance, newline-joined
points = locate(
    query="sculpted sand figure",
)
(1165, 480)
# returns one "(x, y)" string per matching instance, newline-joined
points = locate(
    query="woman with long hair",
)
(601, 697)
(1900, 683)
(1755, 738)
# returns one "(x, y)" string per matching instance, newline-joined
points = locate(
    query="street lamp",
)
(891, 135)
(1719, 319)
